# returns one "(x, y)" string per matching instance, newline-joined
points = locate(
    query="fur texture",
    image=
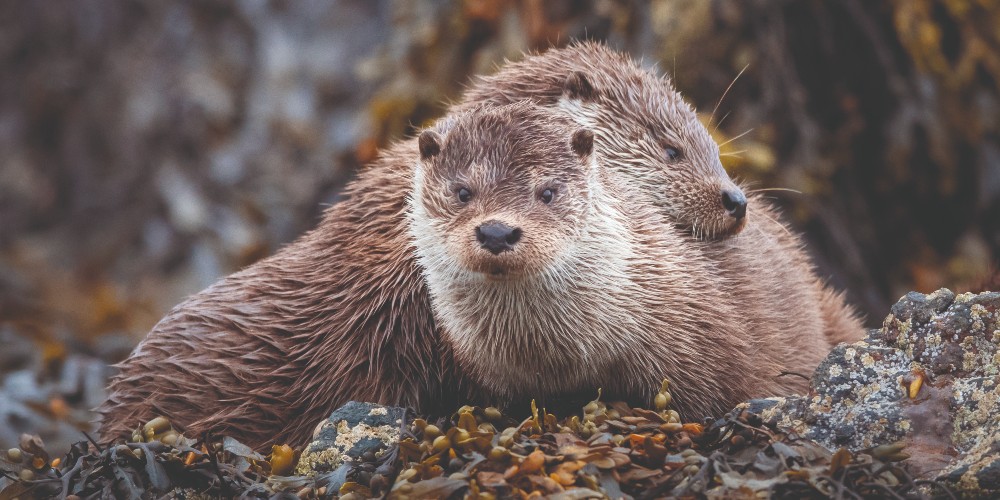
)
(340, 314)
(601, 289)
(635, 114)
(636, 117)
(343, 312)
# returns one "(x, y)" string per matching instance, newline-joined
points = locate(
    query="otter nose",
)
(497, 237)
(734, 202)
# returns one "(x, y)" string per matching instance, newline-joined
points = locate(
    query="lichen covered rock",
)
(928, 379)
(353, 430)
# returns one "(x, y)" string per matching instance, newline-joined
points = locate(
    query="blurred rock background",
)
(149, 147)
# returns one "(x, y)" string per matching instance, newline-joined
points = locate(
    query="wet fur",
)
(340, 314)
(624, 298)
(634, 113)
(343, 313)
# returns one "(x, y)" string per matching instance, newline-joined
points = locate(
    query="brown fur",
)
(634, 113)
(263, 355)
(773, 281)
(601, 290)
(342, 313)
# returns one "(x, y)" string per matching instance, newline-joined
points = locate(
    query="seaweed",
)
(610, 450)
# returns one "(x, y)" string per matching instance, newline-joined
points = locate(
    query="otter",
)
(549, 274)
(344, 313)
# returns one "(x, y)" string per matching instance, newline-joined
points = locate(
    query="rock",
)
(350, 432)
(941, 349)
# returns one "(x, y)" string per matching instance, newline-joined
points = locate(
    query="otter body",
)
(340, 314)
(344, 311)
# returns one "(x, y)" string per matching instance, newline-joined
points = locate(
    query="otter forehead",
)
(648, 105)
(515, 141)
(655, 113)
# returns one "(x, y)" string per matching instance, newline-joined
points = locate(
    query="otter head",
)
(655, 137)
(516, 232)
(499, 193)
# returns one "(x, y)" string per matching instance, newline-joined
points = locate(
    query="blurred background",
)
(149, 147)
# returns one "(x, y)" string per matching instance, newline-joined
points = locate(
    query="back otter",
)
(645, 130)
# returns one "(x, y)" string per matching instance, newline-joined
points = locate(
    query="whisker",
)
(726, 92)
(796, 191)
(733, 153)
(673, 71)
(717, 125)
(782, 226)
(731, 139)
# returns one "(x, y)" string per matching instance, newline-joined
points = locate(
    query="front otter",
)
(548, 279)
(503, 218)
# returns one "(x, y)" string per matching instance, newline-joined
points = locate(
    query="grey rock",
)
(350, 432)
(945, 350)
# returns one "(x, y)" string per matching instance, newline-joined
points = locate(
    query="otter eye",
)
(547, 195)
(673, 153)
(464, 195)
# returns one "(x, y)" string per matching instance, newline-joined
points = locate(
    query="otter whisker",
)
(782, 226)
(673, 72)
(715, 128)
(796, 191)
(726, 92)
(731, 139)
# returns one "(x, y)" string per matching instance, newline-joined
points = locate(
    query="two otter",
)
(344, 312)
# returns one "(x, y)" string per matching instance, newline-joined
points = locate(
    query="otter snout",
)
(735, 203)
(497, 237)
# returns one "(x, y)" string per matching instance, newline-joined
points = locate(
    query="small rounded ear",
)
(577, 86)
(430, 144)
(583, 142)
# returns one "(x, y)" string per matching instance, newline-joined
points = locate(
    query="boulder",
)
(929, 378)
(353, 431)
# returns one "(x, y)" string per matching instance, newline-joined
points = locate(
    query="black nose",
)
(497, 237)
(734, 202)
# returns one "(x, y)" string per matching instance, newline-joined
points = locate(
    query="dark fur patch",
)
(583, 142)
(430, 144)
(578, 86)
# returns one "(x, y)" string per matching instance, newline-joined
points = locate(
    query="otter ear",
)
(578, 86)
(583, 142)
(430, 144)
